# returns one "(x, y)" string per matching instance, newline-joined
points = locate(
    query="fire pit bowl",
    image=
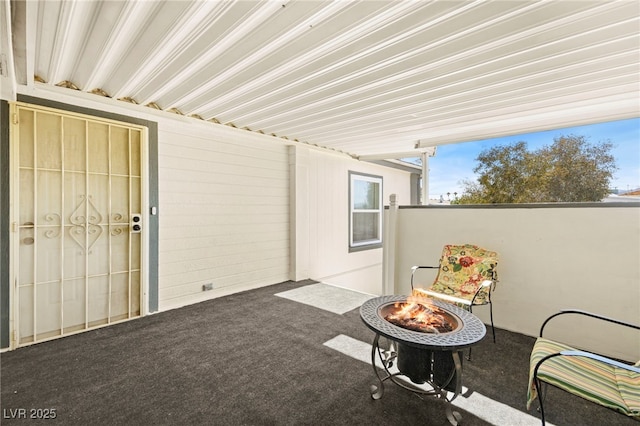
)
(469, 330)
(426, 351)
(419, 316)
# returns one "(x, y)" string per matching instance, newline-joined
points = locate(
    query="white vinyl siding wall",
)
(224, 208)
(224, 215)
(331, 262)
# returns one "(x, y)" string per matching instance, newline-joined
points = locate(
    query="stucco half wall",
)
(552, 257)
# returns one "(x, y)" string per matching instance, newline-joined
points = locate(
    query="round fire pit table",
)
(434, 359)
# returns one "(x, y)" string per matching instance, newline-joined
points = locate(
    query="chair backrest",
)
(463, 269)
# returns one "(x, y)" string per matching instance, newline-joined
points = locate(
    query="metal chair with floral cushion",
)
(466, 277)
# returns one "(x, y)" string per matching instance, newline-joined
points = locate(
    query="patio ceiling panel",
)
(362, 77)
(314, 55)
(263, 40)
(456, 105)
(410, 87)
(377, 59)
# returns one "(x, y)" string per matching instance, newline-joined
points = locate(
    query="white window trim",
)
(368, 244)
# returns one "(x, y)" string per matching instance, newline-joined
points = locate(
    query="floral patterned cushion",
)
(463, 268)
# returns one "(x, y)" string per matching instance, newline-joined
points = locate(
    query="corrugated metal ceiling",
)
(363, 77)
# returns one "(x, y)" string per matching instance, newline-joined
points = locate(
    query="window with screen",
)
(365, 211)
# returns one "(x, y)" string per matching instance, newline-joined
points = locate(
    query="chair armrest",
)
(483, 285)
(584, 354)
(588, 314)
(602, 359)
(415, 268)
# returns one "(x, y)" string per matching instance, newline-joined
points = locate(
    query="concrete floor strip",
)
(324, 296)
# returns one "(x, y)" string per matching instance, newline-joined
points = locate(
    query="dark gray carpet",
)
(249, 359)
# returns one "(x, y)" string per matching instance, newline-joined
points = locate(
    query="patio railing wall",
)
(552, 257)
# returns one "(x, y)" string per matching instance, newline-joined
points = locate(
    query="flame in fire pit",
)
(419, 314)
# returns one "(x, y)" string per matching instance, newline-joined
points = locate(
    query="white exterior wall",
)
(331, 261)
(551, 258)
(223, 203)
(237, 209)
(224, 212)
(264, 213)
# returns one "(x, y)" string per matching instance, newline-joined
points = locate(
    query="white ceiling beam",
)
(337, 129)
(77, 19)
(353, 57)
(445, 113)
(376, 86)
(190, 25)
(545, 65)
(338, 41)
(427, 150)
(266, 50)
(395, 127)
(531, 33)
(31, 36)
(485, 96)
(260, 14)
(372, 67)
(65, 34)
(130, 22)
(22, 32)
(7, 66)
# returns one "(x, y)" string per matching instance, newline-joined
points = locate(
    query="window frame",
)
(366, 244)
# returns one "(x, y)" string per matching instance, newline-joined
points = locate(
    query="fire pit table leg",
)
(458, 374)
(377, 391)
(439, 391)
(454, 417)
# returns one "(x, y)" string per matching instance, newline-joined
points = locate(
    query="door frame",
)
(150, 302)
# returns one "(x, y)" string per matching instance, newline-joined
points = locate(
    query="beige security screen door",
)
(78, 222)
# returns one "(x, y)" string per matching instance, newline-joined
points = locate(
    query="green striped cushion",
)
(613, 387)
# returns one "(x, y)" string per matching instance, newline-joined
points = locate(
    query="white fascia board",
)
(420, 150)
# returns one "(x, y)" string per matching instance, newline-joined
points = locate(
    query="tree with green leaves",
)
(569, 170)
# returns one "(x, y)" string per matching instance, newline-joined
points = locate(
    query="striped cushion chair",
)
(596, 378)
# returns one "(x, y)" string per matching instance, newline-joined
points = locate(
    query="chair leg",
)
(469, 356)
(493, 329)
(540, 392)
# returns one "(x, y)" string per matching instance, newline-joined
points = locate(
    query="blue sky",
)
(455, 163)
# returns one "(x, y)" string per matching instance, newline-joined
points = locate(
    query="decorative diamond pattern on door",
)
(79, 186)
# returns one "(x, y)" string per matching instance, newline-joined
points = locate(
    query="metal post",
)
(389, 248)
(425, 179)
